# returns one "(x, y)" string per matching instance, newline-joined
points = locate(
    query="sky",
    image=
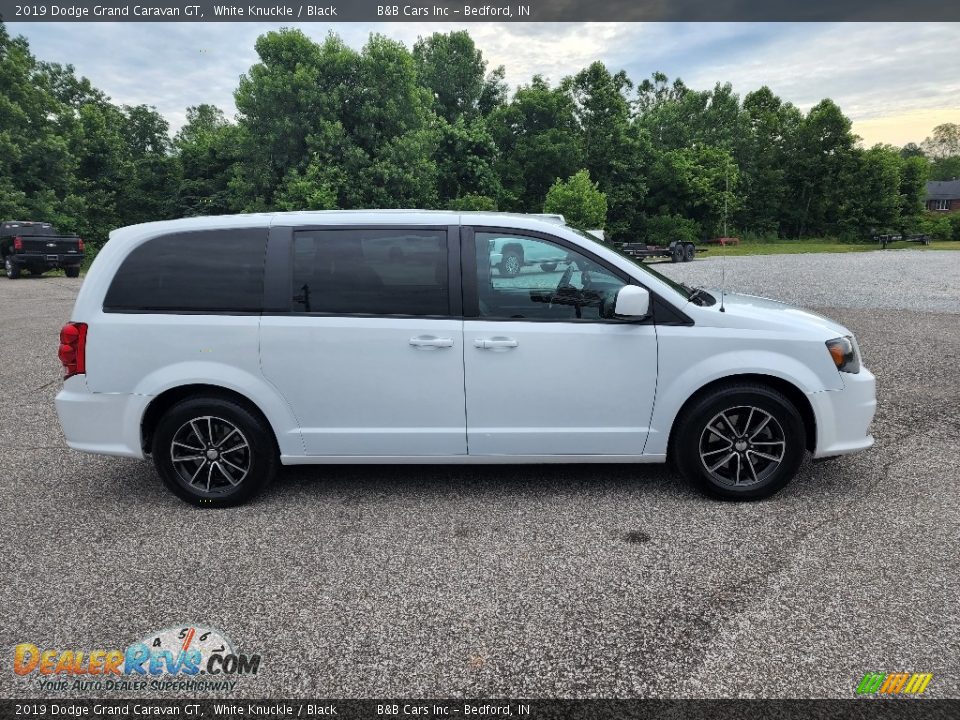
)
(896, 81)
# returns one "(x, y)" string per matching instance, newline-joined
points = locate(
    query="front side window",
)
(522, 277)
(370, 272)
(207, 271)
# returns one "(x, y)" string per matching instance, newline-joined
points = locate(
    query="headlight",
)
(844, 353)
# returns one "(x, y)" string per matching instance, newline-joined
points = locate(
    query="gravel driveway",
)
(578, 581)
(892, 279)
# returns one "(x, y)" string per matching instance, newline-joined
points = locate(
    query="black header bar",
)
(426, 11)
(484, 709)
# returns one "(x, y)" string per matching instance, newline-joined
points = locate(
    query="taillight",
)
(80, 245)
(18, 243)
(73, 349)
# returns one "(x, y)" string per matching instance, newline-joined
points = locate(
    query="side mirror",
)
(632, 302)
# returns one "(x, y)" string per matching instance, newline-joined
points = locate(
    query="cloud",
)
(872, 70)
(887, 77)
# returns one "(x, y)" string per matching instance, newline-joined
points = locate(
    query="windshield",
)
(682, 289)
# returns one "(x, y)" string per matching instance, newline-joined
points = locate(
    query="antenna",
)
(723, 261)
(723, 278)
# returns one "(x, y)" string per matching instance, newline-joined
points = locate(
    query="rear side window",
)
(370, 272)
(209, 271)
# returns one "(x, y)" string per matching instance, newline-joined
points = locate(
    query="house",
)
(943, 195)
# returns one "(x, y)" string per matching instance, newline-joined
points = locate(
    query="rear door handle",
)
(495, 343)
(430, 341)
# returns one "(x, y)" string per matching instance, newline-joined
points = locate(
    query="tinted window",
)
(535, 279)
(375, 272)
(214, 271)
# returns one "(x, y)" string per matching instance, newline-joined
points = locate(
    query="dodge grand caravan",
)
(223, 347)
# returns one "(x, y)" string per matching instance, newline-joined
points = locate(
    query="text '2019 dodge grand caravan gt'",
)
(226, 346)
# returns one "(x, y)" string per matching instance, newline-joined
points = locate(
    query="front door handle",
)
(430, 341)
(495, 343)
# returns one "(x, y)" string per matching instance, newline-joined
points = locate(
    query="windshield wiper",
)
(700, 296)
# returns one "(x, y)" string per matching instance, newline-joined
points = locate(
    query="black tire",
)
(260, 459)
(511, 264)
(548, 267)
(12, 269)
(72, 271)
(676, 253)
(752, 477)
(688, 252)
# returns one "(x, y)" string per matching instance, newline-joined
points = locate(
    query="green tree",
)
(472, 203)
(466, 157)
(279, 100)
(153, 174)
(914, 171)
(912, 150)
(943, 149)
(617, 153)
(820, 158)
(451, 67)
(324, 123)
(579, 200)
(770, 127)
(35, 161)
(872, 203)
(603, 117)
(698, 183)
(947, 168)
(943, 142)
(208, 150)
(537, 140)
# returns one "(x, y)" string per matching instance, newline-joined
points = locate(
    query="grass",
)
(791, 247)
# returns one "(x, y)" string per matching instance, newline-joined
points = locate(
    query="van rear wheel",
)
(741, 441)
(214, 452)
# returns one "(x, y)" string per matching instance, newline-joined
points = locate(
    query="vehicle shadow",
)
(657, 481)
(462, 480)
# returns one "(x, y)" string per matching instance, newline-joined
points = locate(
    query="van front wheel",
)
(213, 452)
(740, 441)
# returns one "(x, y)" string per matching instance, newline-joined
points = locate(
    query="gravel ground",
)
(578, 581)
(915, 279)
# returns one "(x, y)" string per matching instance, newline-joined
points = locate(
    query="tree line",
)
(321, 125)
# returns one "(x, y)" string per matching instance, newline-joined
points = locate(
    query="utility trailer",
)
(677, 250)
(885, 240)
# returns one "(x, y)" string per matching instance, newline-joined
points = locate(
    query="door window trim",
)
(471, 297)
(278, 290)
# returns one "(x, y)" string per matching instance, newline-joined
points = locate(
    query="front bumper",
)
(844, 416)
(101, 423)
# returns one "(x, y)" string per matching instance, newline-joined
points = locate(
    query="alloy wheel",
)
(210, 455)
(742, 446)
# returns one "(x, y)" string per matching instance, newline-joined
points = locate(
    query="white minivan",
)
(224, 347)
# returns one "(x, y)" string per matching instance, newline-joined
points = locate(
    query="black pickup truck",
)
(37, 247)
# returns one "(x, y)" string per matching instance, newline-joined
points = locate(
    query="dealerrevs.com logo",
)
(180, 658)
